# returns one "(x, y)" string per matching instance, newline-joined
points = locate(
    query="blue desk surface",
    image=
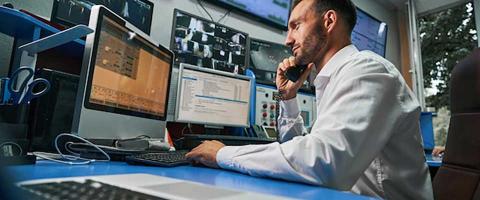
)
(220, 178)
(433, 162)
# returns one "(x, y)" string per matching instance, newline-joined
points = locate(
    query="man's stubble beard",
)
(313, 45)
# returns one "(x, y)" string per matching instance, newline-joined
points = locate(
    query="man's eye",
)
(297, 26)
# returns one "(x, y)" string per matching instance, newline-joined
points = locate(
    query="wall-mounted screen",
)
(201, 42)
(272, 12)
(370, 33)
(73, 12)
(264, 59)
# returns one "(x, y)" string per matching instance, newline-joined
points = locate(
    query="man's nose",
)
(289, 41)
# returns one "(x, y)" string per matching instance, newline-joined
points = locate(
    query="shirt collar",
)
(337, 60)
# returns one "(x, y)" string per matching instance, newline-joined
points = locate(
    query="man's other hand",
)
(438, 151)
(205, 153)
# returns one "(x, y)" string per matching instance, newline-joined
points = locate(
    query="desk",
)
(220, 178)
(433, 162)
(433, 165)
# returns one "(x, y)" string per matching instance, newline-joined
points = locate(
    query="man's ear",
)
(330, 20)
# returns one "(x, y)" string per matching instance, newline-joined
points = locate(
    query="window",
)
(446, 37)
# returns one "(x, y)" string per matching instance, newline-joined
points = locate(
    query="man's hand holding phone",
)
(289, 88)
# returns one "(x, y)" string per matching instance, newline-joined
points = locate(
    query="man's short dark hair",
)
(345, 8)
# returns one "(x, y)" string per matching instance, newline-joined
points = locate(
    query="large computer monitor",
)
(73, 12)
(213, 98)
(124, 82)
(272, 12)
(201, 42)
(264, 59)
(370, 33)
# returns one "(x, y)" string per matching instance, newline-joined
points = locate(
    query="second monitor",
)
(212, 97)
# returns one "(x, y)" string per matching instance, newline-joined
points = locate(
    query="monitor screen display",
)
(73, 12)
(369, 33)
(129, 75)
(273, 12)
(207, 97)
(264, 59)
(200, 42)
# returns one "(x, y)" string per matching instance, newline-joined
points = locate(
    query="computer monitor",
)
(264, 59)
(74, 12)
(370, 33)
(213, 98)
(201, 42)
(124, 83)
(271, 12)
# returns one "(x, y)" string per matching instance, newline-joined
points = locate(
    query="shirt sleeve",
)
(359, 113)
(290, 122)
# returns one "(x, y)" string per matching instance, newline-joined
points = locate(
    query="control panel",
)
(266, 107)
(307, 108)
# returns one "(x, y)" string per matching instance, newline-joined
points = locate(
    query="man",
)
(366, 138)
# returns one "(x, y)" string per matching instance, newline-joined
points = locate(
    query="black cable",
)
(226, 14)
(203, 7)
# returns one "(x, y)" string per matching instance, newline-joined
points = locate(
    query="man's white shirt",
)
(366, 138)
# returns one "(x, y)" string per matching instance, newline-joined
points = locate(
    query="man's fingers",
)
(286, 64)
(291, 61)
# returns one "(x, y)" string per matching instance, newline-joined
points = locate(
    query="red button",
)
(264, 114)
(272, 123)
(272, 107)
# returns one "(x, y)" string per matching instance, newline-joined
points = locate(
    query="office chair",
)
(459, 176)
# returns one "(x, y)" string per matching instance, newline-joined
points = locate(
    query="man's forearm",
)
(290, 123)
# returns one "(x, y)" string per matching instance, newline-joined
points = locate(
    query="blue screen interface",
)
(369, 33)
(275, 11)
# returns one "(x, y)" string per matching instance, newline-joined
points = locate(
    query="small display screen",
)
(264, 59)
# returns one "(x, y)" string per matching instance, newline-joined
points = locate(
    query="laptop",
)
(131, 186)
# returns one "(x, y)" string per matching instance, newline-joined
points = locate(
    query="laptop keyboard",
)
(88, 190)
(167, 159)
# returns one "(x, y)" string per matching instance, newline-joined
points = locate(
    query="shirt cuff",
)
(224, 157)
(289, 108)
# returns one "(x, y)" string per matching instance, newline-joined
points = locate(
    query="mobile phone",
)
(294, 73)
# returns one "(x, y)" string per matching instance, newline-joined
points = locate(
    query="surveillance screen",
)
(202, 43)
(275, 11)
(73, 12)
(264, 59)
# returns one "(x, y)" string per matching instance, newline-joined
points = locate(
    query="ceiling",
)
(426, 6)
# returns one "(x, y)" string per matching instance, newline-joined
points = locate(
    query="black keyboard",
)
(88, 190)
(193, 140)
(167, 159)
